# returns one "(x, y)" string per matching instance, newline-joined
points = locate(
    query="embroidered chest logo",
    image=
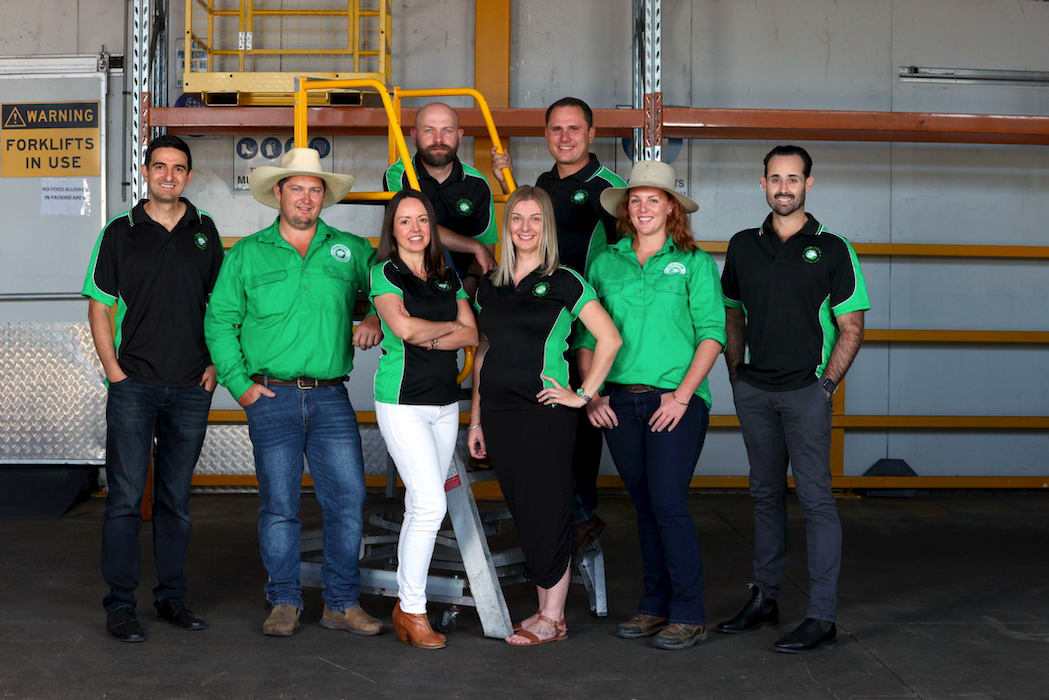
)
(442, 286)
(341, 253)
(201, 240)
(580, 196)
(675, 268)
(541, 289)
(812, 254)
(464, 207)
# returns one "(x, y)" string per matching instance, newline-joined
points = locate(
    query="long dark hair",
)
(434, 254)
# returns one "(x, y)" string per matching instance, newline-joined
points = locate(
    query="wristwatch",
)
(583, 395)
(828, 385)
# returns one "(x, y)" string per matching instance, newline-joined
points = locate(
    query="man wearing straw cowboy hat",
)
(280, 331)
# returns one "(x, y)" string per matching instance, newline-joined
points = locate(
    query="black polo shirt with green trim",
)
(409, 374)
(463, 202)
(160, 282)
(584, 228)
(527, 328)
(791, 292)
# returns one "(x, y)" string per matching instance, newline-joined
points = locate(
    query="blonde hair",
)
(504, 274)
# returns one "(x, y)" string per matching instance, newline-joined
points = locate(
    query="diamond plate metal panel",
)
(227, 450)
(52, 395)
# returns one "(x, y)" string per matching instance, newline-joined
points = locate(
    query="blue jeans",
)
(180, 417)
(320, 424)
(657, 470)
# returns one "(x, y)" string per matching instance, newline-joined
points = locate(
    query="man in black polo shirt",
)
(461, 196)
(157, 263)
(584, 231)
(795, 295)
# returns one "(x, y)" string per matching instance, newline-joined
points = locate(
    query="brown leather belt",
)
(301, 382)
(636, 388)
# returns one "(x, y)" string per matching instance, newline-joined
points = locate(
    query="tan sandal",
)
(519, 626)
(560, 629)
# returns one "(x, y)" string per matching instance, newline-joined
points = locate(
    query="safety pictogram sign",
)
(50, 139)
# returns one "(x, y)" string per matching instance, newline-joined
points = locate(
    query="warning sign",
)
(50, 139)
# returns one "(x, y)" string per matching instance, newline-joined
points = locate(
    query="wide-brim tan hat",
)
(298, 161)
(647, 173)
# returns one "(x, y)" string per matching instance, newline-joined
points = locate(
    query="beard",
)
(437, 156)
(787, 208)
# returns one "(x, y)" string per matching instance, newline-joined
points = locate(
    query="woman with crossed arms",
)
(664, 295)
(425, 320)
(522, 414)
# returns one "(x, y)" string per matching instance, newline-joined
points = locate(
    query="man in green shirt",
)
(280, 331)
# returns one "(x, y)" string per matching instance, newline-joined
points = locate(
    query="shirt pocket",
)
(340, 290)
(610, 294)
(267, 294)
(671, 296)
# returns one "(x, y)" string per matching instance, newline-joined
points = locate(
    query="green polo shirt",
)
(663, 311)
(275, 313)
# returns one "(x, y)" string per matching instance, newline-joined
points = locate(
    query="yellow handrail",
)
(303, 85)
(482, 103)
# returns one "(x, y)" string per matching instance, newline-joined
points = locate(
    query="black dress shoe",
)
(811, 635)
(123, 625)
(175, 611)
(759, 611)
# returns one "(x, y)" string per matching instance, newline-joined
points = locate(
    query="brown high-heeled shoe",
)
(416, 628)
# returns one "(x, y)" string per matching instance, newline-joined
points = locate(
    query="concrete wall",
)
(818, 54)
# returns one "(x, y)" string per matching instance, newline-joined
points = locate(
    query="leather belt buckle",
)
(305, 383)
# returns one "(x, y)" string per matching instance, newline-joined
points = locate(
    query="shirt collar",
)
(457, 174)
(271, 234)
(626, 245)
(139, 215)
(811, 227)
(584, 174)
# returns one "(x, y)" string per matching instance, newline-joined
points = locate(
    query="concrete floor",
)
(944, 596)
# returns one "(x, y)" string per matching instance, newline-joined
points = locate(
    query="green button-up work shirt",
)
(276, 313)
(663, 311)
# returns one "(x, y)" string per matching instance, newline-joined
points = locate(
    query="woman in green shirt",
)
(425, 320)
(664, 295)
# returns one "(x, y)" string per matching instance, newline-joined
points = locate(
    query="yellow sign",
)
(49, 140)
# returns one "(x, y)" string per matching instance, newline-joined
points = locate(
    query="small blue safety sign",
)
(247, 148)
(321, 145)
(271, 148)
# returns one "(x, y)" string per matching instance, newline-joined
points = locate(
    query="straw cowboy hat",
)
(298, 161)
(647, 173)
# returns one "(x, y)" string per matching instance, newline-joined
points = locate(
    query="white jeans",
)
(421, 440)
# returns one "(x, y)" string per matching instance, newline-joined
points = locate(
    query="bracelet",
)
(680, 403)
(434, 343)
(584, 396)
(475, 425)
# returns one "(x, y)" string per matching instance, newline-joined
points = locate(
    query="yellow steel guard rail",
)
(482, 104)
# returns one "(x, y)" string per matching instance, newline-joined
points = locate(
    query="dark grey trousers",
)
(781, 427)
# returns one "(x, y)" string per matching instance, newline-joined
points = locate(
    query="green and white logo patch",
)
(580, 196)
(464, 206)
(812, 254)
(541, 289)
(201, 240)
(443, 286)
(675, 268)
(341, 253)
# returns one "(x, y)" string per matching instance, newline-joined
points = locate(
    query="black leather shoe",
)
(759, 611)
(175, 611)
(811, 635)
(123, 625)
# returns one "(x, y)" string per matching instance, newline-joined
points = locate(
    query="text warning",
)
(49, 139)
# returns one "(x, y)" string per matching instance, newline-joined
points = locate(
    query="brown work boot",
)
(678, 636)
(641, 626)
(416, 628)
(351, 620)
(588, 531)
(282, 622)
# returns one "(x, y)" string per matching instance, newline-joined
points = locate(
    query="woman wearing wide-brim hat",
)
(664, 295)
